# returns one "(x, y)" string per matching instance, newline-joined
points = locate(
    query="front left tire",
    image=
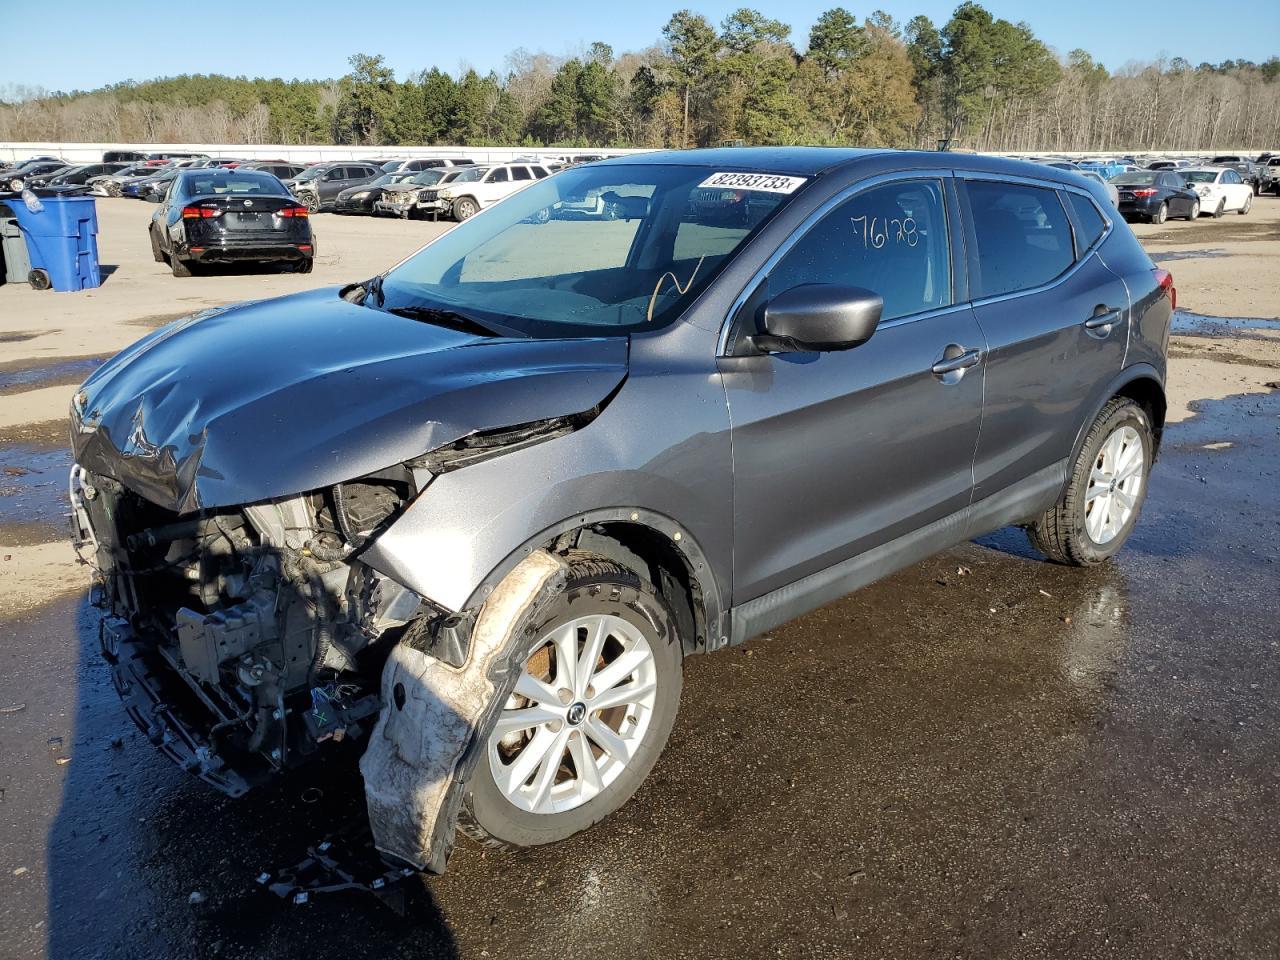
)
(590, 714)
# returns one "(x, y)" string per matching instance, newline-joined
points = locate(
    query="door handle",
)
(1105, 320)
(962, 361)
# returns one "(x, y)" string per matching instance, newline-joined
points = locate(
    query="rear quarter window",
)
(1088, 219)
(1023, 237)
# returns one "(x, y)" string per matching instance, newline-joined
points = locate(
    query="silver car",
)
(472, 514)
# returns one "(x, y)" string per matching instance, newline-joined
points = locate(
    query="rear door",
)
(1056, 321)
(838, 452)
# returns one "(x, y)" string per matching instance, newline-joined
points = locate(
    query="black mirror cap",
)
(818, 317)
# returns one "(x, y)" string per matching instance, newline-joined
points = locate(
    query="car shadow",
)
(145, 860)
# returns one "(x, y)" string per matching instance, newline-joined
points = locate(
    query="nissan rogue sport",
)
(465, 519)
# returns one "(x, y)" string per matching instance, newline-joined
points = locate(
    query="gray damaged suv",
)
(464, 520)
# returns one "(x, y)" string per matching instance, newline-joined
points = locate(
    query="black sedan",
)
(219, 216)
(16, 178)
(1155, 196)
(76, 176)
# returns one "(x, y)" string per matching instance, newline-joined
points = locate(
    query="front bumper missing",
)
(165, 709)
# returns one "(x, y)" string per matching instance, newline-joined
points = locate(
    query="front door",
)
(838, 452)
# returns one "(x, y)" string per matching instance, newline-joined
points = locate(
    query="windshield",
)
(428, 177)
(311, 172)
(1137, 176)
(588, 251)
(470, 174)
(1200, 176)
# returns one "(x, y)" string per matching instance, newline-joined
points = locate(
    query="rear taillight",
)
(1147, 192)
(292, 212)
(1165, 281)
(200, 213)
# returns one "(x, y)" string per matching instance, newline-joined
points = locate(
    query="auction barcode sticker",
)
(764, 182)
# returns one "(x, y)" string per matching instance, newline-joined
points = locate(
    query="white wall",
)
(91, 152)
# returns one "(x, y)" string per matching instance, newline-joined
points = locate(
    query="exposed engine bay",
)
(277, 634)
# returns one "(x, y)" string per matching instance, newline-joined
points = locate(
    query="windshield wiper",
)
(449, 318)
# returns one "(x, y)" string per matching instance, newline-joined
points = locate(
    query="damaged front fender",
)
(437, 718)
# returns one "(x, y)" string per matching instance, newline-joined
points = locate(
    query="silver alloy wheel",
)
(1114, 485)
(581, 708)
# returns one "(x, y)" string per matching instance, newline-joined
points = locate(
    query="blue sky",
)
(93, 43)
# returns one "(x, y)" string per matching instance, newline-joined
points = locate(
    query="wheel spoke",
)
(1132, 468)
(566, 643)
(1097, 517)
(525, 719)
(617, 696)
(607, 739)
(597, 634)
(514, 774)
(614, 673)
(1125, 500)
(584, 761)
(1095, 491)
(535, 690)
(545, 778)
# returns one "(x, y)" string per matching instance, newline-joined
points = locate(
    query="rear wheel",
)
(304, 266)
(1161, 214)
(180, 267)
(1098, 509)
(39, 279)
(590, 714)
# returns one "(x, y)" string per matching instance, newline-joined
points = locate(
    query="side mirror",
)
(816, 317)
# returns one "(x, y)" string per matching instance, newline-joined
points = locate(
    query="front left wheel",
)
(590, 714)
(1104, 495)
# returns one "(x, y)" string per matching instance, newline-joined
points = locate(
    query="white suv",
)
(473, 190)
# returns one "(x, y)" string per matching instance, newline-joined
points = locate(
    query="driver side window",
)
(890, 239)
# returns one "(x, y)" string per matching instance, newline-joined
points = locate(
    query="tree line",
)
(976, 80)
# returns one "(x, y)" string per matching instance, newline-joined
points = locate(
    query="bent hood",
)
(278, 397)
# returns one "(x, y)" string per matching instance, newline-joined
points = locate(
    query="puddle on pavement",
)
(20, 376)
(1186, 322)
(33, 493)
(1206, 254)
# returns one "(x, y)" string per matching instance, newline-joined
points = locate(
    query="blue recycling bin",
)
(62, 240)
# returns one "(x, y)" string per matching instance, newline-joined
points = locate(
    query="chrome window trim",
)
(809, 222)
(1079, 261)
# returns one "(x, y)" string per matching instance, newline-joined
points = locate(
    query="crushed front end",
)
(244, 640)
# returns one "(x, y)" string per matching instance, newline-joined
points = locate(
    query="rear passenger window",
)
(520, 173)
(1024, 238)
(1091, 222)
(890, 239)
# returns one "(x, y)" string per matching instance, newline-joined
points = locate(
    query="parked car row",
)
(435, 186)
(1157, 195)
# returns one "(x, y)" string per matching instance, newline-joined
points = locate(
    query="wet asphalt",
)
(984, 755)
